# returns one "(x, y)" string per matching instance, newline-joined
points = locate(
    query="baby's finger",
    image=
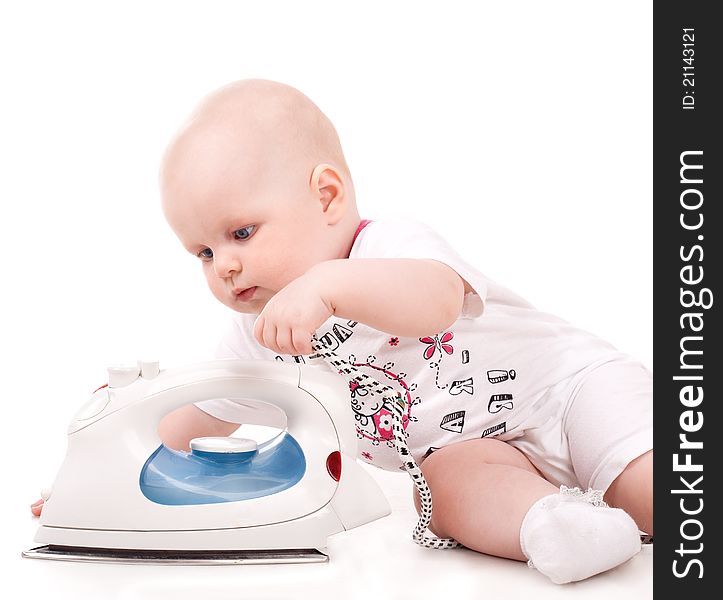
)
(37, 507)
(268, 337)
(284, 340)
(302, 341)
(265, 333)
(259, 328)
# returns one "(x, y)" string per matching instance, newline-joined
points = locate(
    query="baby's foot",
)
(572, 536)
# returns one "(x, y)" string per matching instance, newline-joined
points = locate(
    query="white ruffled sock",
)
(574, 535)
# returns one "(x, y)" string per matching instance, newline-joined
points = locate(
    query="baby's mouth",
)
(245, 294)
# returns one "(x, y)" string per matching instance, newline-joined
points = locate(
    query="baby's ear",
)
(326, 184)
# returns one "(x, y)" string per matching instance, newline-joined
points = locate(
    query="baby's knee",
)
(636, 480)
(632, 491)
(443, 468)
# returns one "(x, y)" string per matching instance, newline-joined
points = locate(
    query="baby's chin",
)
(253, 307)
(246, 309)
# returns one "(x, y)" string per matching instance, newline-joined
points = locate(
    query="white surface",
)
(376, 560)
(521, 130)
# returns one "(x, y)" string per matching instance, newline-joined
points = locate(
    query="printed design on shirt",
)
(393, 341)
(496, 429)
(356, 390)
(337, 336)
(465, 357)
(331, 339)
(297, 358)
(430, 450)
(438, 345)
(465, 385)
(500, 375)
(372, 413)
(453, 422)
(499, 401)
(367, 456)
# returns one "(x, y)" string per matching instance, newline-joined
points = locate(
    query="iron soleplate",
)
(177, 557)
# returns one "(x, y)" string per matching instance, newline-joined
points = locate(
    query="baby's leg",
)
(489, 497)
(482, 490)
(609, 429)
(632, 491)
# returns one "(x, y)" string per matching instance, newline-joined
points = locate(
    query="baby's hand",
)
(292, 316)
(37, 507)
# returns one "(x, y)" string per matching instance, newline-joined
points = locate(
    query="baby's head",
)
(255, 184)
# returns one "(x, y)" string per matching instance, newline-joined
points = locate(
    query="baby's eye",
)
(244, 233)
(205, 254)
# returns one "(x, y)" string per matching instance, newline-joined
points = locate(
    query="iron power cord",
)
(398, 404)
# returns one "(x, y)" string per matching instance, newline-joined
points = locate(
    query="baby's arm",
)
(400, 296)
(405, 297)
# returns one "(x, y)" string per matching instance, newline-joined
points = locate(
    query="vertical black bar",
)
(687, 192)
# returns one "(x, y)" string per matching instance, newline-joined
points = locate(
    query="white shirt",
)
(486, 375)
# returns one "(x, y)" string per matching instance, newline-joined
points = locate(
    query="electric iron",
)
(122, 496)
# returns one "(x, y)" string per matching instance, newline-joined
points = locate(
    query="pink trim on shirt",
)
(362, 225)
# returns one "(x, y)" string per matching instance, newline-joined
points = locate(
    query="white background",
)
(521, 130)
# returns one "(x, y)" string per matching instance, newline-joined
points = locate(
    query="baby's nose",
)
(226, 263)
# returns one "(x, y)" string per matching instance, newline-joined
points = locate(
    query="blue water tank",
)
(222, 470)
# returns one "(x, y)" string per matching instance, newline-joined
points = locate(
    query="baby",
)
(510, 411)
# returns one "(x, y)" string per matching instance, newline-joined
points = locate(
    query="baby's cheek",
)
(283, 275)
(215, 285)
